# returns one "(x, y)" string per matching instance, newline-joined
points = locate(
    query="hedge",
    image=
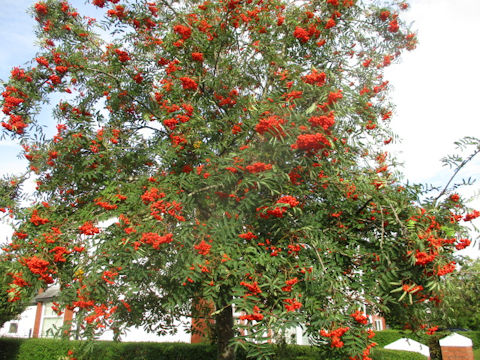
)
(385, 354)
(50, 349)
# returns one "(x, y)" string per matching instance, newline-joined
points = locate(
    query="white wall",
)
(25, 323)
(138, 334)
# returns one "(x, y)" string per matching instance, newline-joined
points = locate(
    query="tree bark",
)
(224, 330)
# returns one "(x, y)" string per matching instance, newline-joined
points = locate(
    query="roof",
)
(47, 295)
(407, 344)
(456, 340)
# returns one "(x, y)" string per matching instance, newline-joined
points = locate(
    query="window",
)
(290, 336)
(51, 321)
(13, 329)
(306, 340)
(378, 324)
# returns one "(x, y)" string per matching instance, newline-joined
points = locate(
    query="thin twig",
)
(364, 205)
(320, 259)
(205, 188)
(141, 103)
(170, 7)
(402, 226)
(457, 170)
(382, 235)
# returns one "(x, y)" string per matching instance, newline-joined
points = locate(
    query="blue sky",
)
(436, 94)
(17, 47)
(435, 88)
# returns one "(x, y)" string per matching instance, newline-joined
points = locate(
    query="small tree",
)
(226, 151)
(449, 308)
(461, 299)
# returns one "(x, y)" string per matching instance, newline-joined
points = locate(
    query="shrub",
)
(296, 352)
(49, 349)
(45, 349)
(166, 351)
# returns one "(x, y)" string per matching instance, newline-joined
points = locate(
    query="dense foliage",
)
(222, 156)
(459, 310)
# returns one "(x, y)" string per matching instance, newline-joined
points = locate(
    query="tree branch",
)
(457, 170)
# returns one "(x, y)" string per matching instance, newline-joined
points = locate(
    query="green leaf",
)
(311, 108)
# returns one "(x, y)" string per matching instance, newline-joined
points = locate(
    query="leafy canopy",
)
(228, 151)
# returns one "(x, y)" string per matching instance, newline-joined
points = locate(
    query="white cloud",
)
(435, 87)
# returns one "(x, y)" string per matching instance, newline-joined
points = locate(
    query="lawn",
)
(476, 354)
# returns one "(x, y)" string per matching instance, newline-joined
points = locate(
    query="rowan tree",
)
(228, 153)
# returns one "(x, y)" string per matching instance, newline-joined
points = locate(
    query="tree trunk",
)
(224, 330)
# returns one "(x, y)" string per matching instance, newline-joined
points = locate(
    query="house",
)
(378, 322)
(39, 320)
